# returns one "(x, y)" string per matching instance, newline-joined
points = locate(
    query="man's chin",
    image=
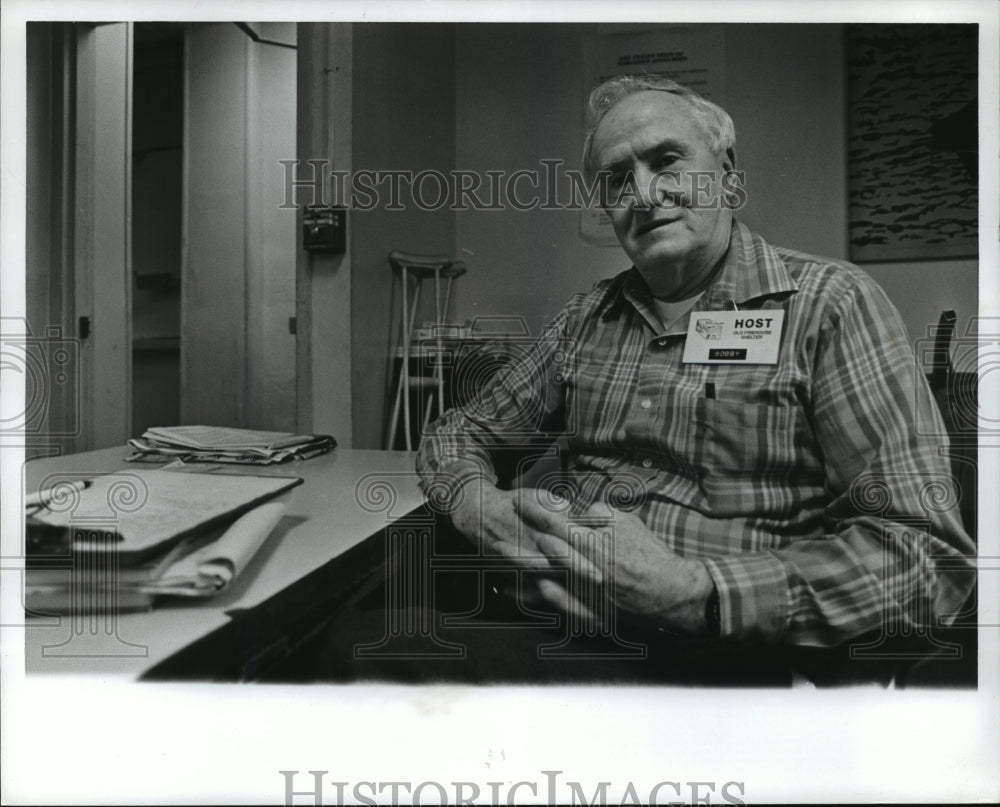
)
(655, 258)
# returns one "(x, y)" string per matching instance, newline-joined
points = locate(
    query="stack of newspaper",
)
(219, 444)
(79, 559)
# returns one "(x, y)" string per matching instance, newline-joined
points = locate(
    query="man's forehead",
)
(646, 118)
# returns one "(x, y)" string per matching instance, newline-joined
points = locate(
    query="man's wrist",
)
(450, 487)
(696, 611)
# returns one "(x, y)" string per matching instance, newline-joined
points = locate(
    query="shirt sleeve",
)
(895, 556)
(518, 411)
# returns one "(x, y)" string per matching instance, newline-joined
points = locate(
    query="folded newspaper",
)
(200, 567)
(208, 570)
(222, 444)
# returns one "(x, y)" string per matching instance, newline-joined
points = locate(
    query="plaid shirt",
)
(820, 508)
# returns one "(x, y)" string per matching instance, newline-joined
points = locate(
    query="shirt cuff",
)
(754, 595)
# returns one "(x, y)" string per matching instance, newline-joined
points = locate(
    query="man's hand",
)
(646, 578)
(485, 514)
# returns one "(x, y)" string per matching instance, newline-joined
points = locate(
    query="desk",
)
(345, 499)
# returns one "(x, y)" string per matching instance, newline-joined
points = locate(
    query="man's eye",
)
(665, 161)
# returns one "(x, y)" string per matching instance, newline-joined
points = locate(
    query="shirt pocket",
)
(748, 455)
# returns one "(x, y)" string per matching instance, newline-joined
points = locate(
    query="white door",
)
(103, 225)
(239, 253)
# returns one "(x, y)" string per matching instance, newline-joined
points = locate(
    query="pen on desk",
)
(43, 497)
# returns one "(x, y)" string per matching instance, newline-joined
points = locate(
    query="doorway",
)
(157, 168)
(156, 239)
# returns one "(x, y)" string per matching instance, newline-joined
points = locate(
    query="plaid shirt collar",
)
(752, 269)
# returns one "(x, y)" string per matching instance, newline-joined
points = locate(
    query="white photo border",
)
(84, 740)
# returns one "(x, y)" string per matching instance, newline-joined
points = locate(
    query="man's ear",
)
(732, 183)
(729, 160)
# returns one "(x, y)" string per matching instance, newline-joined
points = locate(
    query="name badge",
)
(733, 337)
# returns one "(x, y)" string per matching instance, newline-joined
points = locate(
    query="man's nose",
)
(657, 188)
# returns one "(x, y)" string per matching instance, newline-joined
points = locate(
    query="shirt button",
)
(647, 463)
(646, 404)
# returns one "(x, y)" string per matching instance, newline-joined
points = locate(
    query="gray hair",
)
(713, 118)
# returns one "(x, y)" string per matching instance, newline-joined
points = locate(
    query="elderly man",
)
(782, 496)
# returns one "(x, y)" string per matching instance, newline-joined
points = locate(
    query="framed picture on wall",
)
(912, 141)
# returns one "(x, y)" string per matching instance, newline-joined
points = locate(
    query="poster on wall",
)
(689, 54)
(912, 149)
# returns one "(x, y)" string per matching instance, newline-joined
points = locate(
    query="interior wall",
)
(271, 230)
(403, 119)
(785, 93)
(213, 275)
(324, 80)
(921, 290)
(519, 100)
